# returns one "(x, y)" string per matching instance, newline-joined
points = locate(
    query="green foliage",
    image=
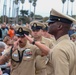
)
(63, 1)
(16, 2)
(22, 1)
(34, 0)
(71, 0)
(74, 16)
(31, 14)
(30, 1)
(4, 19)
(24, 19)
(38, 16)
(24, 12)
(34, 4)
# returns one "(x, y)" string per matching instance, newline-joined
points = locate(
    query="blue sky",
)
(43, 7)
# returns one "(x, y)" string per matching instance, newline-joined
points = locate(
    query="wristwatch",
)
(33, 42)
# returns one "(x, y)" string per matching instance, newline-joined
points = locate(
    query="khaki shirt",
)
(63, 57)
(41, 62)
(27, 66)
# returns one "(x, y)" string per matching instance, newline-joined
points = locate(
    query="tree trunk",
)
(67, 6)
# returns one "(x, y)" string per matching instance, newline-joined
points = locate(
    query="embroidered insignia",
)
(35, 24)
(20, 29)
(15, 55)
(58, 19)
(27, 53)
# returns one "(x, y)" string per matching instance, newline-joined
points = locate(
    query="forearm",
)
(42, 47)
(4, 58)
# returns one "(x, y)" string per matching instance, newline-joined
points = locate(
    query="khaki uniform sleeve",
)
(38, 51)
(7, 50)
(51, 45)
(60, 62)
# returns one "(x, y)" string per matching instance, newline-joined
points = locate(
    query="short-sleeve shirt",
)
(27, 65)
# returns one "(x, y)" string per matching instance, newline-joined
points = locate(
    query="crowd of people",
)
(39, 48)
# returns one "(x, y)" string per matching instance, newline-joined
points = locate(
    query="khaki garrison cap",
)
(57, 16)
(45, 28)
(36, 25)
(21, 30)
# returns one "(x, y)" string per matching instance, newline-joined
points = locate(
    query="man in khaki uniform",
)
(62, 57)
(22, 54)
(45, 32)
(41, 61)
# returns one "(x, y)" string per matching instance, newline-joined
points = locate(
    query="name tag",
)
(27, 53)
(15, 55)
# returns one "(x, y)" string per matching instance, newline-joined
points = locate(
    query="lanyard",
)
(19, 56)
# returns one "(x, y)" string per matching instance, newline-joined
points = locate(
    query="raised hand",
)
(15, 45)
(29, 38)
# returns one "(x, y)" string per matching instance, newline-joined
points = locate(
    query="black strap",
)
(12, 58)
(20, 56)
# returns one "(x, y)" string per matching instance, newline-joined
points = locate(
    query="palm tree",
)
(34, 4)
(24, 12)
(63, 1)
(22, 1)
(16, 2)
(71, 6)
(9, 8)
(17, 10)
(32, 14)
(13, 8)
(4, 10)
(67, 6)
(30, 1)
